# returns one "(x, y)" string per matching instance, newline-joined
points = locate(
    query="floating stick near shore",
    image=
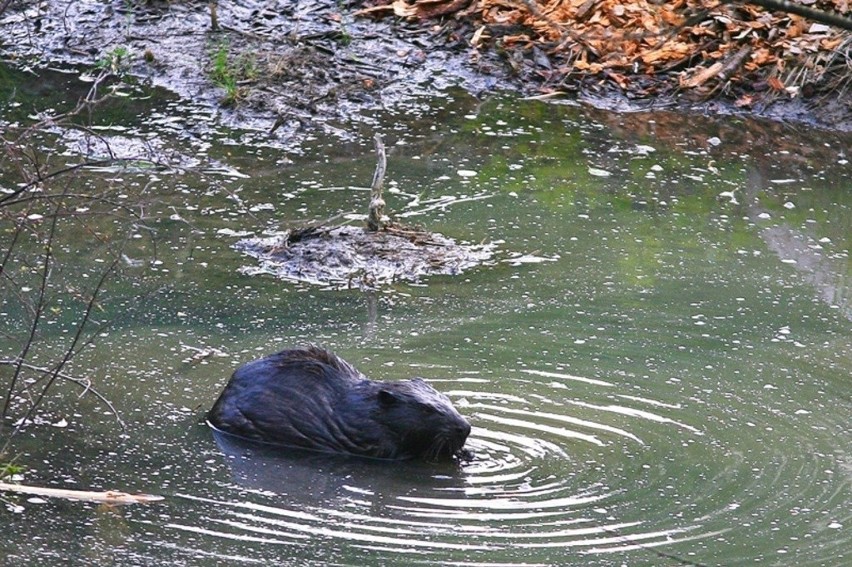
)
(107, 497)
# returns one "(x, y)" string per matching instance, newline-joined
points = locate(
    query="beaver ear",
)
(387, 398)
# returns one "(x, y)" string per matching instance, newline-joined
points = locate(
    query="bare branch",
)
(84, 383)
(70, 352)
(39, 307)
(44, 230)
(822, 16)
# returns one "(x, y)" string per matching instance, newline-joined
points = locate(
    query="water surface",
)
(656, 366)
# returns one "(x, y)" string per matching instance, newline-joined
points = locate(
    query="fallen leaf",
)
(775, 83)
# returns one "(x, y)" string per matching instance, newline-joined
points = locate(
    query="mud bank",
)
(281, 71)
(284, 70)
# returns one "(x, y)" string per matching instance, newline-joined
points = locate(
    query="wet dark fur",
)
(310, 398)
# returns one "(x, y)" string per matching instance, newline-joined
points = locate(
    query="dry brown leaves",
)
(697, 45)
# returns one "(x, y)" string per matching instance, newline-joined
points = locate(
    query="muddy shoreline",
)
(291, 70)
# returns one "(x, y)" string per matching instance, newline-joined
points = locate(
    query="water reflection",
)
(824, 269)
(310, 478)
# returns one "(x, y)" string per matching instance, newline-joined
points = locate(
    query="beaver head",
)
(423, 420)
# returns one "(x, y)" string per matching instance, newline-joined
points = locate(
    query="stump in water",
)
(345, 256)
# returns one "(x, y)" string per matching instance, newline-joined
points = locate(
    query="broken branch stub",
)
(375, 216)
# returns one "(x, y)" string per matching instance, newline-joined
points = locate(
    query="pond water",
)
(656, 364)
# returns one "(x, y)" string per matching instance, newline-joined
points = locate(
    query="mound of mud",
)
(344, 257)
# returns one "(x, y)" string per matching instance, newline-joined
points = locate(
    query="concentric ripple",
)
(554, 476)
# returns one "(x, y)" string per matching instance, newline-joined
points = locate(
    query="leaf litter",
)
(320, 64)
(644, 48)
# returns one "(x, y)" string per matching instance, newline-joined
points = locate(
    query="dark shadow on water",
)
(312, 477)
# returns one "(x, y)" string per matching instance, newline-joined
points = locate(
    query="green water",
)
(658, 373)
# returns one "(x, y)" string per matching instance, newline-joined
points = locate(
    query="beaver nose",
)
(464, 429)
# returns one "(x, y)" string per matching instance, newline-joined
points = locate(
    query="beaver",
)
(312, 399)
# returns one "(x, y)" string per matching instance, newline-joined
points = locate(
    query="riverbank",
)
(737, 55)
(297, 68)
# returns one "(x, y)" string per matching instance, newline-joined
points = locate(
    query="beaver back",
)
(310, 398)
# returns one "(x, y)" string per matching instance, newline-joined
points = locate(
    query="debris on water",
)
(520, 259)
(597, 172)
(384, 252)
(344, 257)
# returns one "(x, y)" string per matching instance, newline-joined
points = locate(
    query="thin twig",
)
(70, 352)
(4, 201)
(18, 231)
(82, 382)
(32, 170)
(39, 307)
(92, 198)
